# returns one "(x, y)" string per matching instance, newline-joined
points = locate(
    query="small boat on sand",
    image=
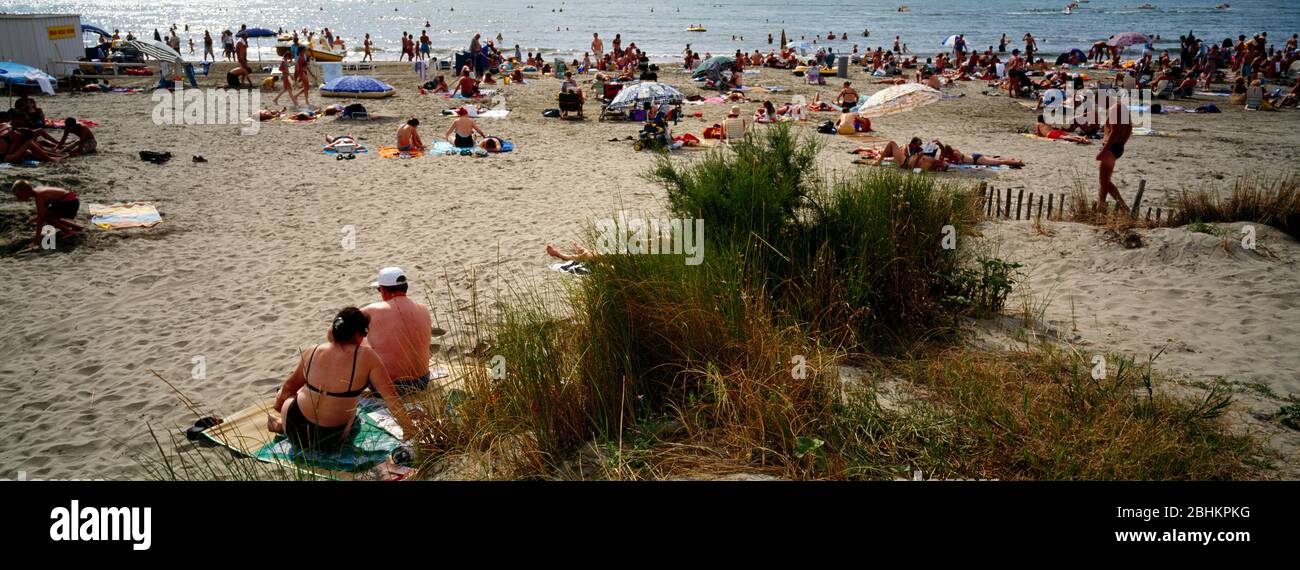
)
(319, 50)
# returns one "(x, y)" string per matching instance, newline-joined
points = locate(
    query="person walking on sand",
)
(400, 331)
(241, 56)
(1118, 129)
(286, 79)
(597, 46)
(207, 46)
(366, 46)
(302, 71)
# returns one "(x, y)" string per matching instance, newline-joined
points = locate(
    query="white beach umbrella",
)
(899, 98)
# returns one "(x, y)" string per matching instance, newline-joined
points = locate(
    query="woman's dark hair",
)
(916, 141)
(349, 323)
(413, 122)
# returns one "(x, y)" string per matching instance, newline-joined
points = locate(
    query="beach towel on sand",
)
(129, 215)
(371, 442)
(446, 148)
(392, 152)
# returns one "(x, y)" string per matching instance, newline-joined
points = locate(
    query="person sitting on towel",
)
(440, 85)
(467, 86)
(408, 136)
(318, 402)
(464, 128)
(400, 331)
(54, 207)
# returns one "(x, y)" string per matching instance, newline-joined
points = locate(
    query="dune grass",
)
(651, 368)
(741, 355)
(1274, 202)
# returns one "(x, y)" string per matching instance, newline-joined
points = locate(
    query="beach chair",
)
(1254, 98)
(733, 130)
(570, 102)
(560, 67)
(813, 76)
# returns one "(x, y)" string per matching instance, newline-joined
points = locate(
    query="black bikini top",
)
(350, 393)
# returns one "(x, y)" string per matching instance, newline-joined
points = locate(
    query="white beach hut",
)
(41, 41)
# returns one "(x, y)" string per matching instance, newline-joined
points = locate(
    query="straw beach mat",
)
(374, 436)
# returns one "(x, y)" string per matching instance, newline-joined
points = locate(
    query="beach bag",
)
(827, 128)
(551, 113)
(355, 111)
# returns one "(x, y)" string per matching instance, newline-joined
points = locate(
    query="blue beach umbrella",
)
(256, 33)
(356, 86)
(12, 73)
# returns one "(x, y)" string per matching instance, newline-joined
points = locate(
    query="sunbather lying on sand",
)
(265, 115)
(345, 140)
(914, 155)
(954, 156)
(579, 253)
(1045, 130)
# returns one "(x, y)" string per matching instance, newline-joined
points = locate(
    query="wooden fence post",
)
(1137, 201)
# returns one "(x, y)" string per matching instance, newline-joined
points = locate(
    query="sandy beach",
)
(248, 267)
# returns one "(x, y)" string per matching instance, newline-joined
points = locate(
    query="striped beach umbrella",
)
(157, 50)
(635, 94)
(899, 98)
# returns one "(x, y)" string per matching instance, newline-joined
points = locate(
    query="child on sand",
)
(85, 143)
(54, 207)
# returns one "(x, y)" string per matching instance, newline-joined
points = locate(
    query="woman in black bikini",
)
(318, 402)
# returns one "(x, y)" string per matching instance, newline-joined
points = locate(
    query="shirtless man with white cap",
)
(400, 331)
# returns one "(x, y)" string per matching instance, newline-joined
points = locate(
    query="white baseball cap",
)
(390, 277)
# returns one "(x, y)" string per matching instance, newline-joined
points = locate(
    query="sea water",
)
(659, 26)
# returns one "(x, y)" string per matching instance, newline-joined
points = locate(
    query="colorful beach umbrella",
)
(899, 98)
(157, 50)
(635, 94)
(951, 41)
(1128, 39)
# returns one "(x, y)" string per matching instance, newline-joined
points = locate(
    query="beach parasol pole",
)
(783, 42)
